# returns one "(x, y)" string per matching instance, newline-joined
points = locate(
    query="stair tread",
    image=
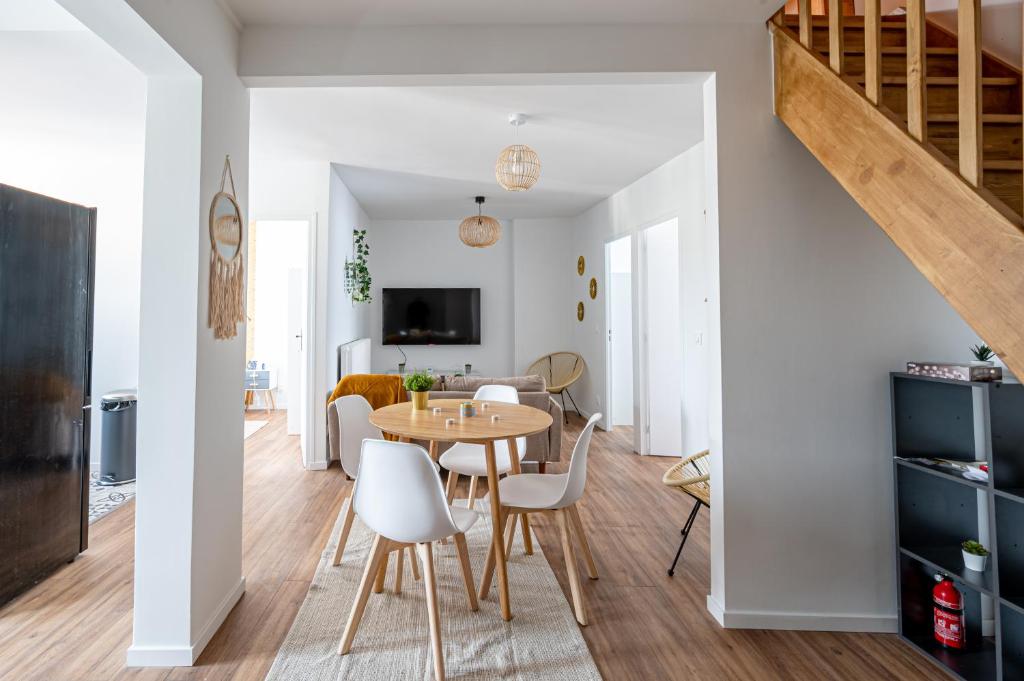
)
(944, 80)
(900, 49)
(1008, 119)
(1003, 165)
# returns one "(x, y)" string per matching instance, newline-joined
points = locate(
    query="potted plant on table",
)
(975, 555)
(419, 384)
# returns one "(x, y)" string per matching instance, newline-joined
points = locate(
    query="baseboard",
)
(185, 656)
(317, 465)
(219, 615)
(794, 621)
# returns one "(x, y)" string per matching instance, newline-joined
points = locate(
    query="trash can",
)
(117, 451)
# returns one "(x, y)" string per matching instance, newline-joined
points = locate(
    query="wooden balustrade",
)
(835, 36)
(873, 50)
(917, 86)
(969, 84)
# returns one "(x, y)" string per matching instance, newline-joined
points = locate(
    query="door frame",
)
(311, 449)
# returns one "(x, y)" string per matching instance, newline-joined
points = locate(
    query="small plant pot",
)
(419, 400)
(974, 562)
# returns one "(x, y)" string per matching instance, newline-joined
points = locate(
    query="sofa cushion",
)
(470, 384)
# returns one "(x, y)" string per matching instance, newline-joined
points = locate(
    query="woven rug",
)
(105, 498)
(541, 643)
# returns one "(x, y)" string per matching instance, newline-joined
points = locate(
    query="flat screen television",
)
(431, 316)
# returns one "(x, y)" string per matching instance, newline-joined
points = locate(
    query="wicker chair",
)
(560, 370)
(691, 476)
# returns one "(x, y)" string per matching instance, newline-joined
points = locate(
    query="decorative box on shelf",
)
(968, 371)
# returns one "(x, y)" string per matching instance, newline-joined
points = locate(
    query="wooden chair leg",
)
(399, 569)
(382, 573)
(377, 552)
(570, 567)
(433, 614)
(467, 570)
(414, 563)
(472, 490)
(527, 535)
(542, 467)
(581, 536)
(510, 534)
(453, 480)
(346, 528)
(488, 574)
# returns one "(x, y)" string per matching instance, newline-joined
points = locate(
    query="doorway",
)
(276, 347)
(619, 275)
(660, 355)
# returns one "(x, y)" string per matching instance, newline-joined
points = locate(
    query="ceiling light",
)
(518, 166)
(480, 231)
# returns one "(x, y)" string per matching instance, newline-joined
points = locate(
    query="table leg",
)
(513, 452)
(498, 538)
(433, 451)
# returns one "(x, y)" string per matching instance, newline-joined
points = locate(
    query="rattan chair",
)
(560, 370)
(691, 476)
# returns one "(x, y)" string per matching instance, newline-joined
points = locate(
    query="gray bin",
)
(117, 451)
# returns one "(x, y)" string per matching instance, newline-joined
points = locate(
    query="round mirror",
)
(225, 226)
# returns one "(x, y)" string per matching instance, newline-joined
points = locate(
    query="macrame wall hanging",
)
(227, 275)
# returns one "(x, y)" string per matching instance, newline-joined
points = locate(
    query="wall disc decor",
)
(579, 311)
(593, 288)
(581, 265)
(227, 275)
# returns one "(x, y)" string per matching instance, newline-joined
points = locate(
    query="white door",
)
(297, 335)
(619, 278)
(661, 341)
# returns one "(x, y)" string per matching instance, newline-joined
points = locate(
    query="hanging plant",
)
(357, 274)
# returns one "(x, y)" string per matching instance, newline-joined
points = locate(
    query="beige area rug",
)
(252, 427)
(541, 643)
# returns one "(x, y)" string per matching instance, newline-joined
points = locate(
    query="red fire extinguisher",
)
(948, 608)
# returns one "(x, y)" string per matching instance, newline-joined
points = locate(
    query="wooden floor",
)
(644, 625)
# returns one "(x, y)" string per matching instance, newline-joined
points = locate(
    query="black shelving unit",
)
(935, 511)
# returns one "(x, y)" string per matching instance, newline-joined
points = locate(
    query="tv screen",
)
(431, 316)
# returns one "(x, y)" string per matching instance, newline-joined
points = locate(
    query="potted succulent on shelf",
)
(975, 555)
(982, 355)
(419, 384)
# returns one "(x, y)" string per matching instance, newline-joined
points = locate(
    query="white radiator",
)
(354, 358)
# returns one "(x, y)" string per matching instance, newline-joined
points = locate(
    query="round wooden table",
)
(514, 420)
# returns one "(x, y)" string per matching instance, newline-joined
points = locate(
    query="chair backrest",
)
(502, 393)
(354, 426)
(560, 369)
(398, 493)
(576, 480)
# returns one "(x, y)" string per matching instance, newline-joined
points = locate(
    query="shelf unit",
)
(936, 510)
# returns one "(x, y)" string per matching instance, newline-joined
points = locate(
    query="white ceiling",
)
(36, 15)
(464, 12)
(425, 152)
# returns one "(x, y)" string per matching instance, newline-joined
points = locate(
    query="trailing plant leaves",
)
(357, 273)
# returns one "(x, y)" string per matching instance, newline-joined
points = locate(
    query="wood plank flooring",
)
(644, 625)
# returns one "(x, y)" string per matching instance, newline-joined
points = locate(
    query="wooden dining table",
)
(514, 421)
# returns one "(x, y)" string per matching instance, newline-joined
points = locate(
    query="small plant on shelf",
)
(982, 353)
(357, 273)
(975, 554)
(419, 383)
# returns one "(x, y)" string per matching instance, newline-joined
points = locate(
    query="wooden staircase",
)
(925, 131)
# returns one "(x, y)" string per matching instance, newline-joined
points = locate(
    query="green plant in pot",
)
(357, 272)
(975, 555)
(419, 384)
(982, 354)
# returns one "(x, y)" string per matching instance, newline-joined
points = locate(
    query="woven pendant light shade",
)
(518, 168)
(480, 231)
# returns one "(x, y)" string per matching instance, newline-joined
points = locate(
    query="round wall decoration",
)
(227, 275)
(579, 311)
(593, 288)
(581, 265)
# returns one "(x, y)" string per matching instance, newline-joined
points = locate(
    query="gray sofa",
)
(540, 448)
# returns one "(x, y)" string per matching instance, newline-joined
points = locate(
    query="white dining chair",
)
(464, 458)
(533, 493)
(398, 495)
(353, 417)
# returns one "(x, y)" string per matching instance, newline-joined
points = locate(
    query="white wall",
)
(799, 277)
(281, 245)
(543, 313)
(428, 254)
(188, 542)
(676, 189)
(346, 321)
(620, 327)
(72, 126)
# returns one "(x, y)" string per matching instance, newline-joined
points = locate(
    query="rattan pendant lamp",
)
(480, 231)
(518, 166)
